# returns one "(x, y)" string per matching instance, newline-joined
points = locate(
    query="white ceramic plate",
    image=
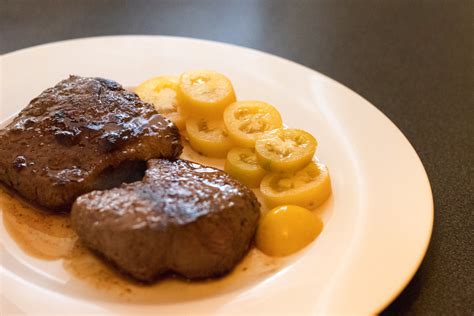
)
(377, 224)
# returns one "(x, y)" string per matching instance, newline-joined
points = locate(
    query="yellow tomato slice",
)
(208, 137)
(205, 93)
(286, 229)
(285, 149)
(308, 187)
(248, 120)
(162, 92)
(242, 164)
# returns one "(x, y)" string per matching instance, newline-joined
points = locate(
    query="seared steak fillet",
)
(80, 135)
(182, 217)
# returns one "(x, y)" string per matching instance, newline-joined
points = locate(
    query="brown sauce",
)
(49, 236)
(38, 233)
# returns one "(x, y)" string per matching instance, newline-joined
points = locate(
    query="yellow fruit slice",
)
(308, 187)
(162, 92)
(248, 120)
(208, 137)
(204, 93)
(242, 164)
(286, 150)
(286, 229)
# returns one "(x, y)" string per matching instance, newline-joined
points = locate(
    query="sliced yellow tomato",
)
(308, 187)
(285, 149)
(242, 164)
(162, 92)
(286, 229)
(208, 137)
(248, 120)
(204, 93)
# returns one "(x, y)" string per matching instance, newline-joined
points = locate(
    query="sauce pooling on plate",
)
(40, 234)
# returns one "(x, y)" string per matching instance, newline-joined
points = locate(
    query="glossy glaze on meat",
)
(182, 217)
(80, 135)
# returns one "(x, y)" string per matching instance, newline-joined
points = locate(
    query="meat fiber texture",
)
(182, 218)
(80, 135)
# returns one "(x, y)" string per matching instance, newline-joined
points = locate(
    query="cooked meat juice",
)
(39, 233)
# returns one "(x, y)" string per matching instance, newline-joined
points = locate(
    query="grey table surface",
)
(414, 60)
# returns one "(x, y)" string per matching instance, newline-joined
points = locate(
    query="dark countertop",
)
(414, 60)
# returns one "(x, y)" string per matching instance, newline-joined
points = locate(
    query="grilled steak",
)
(182, 217)
(80, 135)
